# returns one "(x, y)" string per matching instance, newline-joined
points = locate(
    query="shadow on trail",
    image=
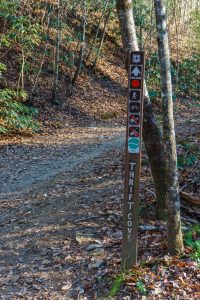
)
(28, 167)
(39, 250)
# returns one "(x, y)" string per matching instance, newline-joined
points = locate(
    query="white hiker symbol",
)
(136, 72)
(134, 96)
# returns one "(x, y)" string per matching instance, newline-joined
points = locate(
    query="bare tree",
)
(94, 40)
(102, 40)
(57, 56)
(35, 81)
(151, 131)
(175, 242)
(82, 50)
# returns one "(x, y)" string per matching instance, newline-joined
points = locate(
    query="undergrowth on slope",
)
(15, 115)
(192, 240)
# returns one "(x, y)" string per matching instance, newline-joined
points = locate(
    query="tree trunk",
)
(57, 58)
(102, 40)
(82, 50)
(94, 41)
(42, 61)
(175, 242)
(151, 131)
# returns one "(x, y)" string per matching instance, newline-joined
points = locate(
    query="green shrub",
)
(188, 160)
(119, 280)
(141, 288)
(15, 116)
(188, 76)
(191, 239)
(189, 71)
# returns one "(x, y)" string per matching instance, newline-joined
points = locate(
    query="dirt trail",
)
(34, 164)
(49, 185)
(56, 189)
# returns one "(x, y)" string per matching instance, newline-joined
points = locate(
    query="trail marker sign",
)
(136, 71)
(133, 158)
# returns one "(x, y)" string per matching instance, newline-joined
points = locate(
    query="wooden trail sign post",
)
(133, 158)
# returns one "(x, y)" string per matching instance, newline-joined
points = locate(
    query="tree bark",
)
(82, 50)
(151, 132)
(175, 241)
(57, 57)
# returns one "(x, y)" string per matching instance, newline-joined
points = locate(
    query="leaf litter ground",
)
(61, 206)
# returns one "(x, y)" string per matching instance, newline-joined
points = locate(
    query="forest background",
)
(62, 65)
(47, 45)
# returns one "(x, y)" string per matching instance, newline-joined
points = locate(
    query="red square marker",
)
(135, 83)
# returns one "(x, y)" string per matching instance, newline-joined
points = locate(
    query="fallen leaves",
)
(67, 286)
(166, 277)
(65, 240)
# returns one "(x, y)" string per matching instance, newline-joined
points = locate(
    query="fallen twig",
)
(190, 198)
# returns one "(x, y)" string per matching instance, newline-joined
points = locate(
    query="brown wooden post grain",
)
(130, 241)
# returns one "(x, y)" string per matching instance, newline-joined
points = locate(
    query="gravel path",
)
(51, 187)
(31, 165)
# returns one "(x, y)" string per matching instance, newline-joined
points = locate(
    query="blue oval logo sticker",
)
(133, 145)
